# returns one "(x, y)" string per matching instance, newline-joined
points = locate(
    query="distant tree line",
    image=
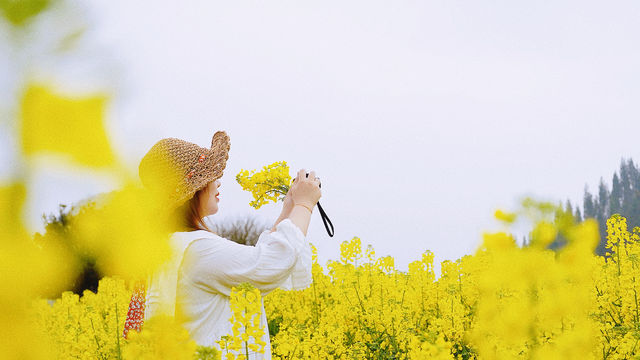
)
(622, 198)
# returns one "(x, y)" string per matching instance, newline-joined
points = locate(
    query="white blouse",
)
(206, 266)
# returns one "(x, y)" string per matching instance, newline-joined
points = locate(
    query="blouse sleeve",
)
(279, 258)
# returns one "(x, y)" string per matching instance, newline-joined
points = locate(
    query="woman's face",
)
(209, 201)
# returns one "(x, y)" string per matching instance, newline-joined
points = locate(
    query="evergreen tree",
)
(623, 199)
(633, 210)
(616, 195)
(602, 214)
(578, 215)
(568, 208)
(603, 200)
(588, 204)
(625, 181)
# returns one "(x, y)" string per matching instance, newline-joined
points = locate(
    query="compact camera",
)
(319, 185)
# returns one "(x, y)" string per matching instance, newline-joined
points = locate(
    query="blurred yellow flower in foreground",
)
(12, 197)
(70, 126)
(505, 216)
(126, 232)
(19, 12)
(26, 272)
(161, 338)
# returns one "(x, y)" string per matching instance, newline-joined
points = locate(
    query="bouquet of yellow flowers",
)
(268, 185)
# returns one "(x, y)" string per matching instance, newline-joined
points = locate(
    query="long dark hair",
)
(190, 216)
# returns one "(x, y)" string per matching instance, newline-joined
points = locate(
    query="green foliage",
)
(274, 325)
(59, 230)
(207, 353)
(19, 12)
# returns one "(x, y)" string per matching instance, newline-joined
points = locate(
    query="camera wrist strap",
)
(325, 220)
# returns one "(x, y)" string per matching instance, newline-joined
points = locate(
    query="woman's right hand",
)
(305, 190)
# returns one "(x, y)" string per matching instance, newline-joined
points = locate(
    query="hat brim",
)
(211, 169)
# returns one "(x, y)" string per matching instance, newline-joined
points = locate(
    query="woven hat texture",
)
(177, 169)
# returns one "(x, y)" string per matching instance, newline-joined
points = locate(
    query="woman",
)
(195, 284)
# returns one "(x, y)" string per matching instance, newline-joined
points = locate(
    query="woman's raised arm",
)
(217, 264)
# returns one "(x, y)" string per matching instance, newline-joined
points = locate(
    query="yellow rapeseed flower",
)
(71, 126)
(246, 309)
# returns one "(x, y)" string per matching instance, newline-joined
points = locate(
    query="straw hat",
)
(176, 169)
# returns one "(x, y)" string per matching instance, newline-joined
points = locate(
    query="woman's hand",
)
(287, 205)
(305, 190)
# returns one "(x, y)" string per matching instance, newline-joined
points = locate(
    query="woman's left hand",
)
(287, 204)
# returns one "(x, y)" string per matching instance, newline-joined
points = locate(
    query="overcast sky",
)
(420, 117)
